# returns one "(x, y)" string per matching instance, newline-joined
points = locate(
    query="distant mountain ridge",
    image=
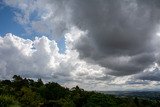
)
(154, 95)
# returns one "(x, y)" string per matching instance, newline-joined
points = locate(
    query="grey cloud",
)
(136, 82)
(117, 29)
(152, 76)
(128, 65)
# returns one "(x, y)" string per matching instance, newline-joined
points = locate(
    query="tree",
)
(17, 78)
(39, 83)
(30, 98)
(8, 100)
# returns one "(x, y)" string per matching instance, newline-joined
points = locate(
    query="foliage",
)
(7, 100)
(22, 92)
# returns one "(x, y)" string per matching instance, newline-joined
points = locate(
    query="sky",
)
(95, 44)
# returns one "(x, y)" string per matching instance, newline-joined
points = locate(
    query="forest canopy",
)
(23, 92)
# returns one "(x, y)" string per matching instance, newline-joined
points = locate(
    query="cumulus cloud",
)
(40, 58)
(107, 42)
(119, 34)
(26, 57)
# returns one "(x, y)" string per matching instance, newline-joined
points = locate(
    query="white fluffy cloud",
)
(40, 59)
(26, 57)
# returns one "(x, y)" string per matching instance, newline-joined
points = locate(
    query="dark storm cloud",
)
(152, 76)
(119, 33)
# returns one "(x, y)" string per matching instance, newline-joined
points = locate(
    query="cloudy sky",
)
(96, 44)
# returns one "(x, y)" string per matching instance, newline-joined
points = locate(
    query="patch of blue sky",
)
(34, 16)
(61, 45)
(8, 24)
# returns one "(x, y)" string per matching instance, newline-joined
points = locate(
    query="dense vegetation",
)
(22, 92)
